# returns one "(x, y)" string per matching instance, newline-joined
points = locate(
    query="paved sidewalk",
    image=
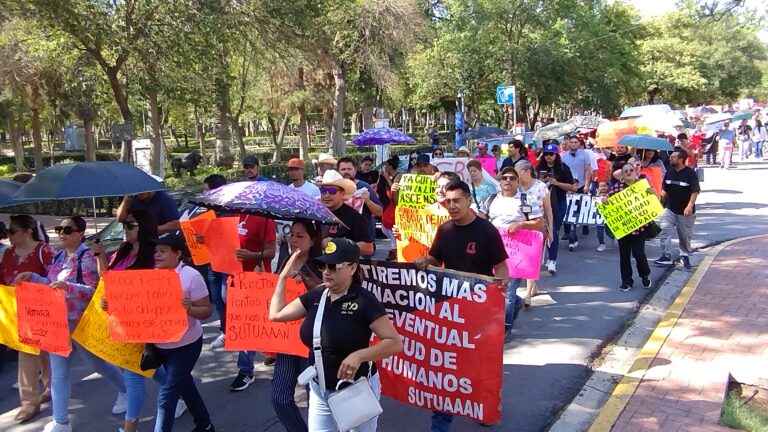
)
(718, 326)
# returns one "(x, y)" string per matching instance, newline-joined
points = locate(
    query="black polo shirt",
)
(357, 228)
(345, 328)
(679, 186)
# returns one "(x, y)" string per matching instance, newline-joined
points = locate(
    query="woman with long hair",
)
(557, 176)
(412, 160)
(29, 252)
(759, 135)
(389, 182)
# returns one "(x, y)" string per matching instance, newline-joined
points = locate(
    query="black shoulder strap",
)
(490, 202)
(80, 279)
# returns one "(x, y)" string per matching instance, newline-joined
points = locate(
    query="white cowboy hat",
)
(333, 178)
(325, 158)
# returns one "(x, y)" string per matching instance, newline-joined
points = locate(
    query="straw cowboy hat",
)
(333, 178)
(325, 158)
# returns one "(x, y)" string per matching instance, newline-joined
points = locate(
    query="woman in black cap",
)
(350, 315)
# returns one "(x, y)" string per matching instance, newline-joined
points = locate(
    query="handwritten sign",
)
(582, 210)
(42, 314)
(655, 177)
(191, 228)
(92, 333)
(145, 306)
(630, 209)
(524, 249)
(9, 322)
(248, 324)
(450, 324)
(417, 230)
(416, 191)
(223, 239)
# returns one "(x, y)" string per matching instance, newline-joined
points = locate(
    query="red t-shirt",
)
(38, 261)
(532, 156)
(255, 232)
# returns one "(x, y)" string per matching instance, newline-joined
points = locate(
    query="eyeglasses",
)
(329, 190)
(127, 226)
(332, 267)
(628, 171)
(548, 154)
(66, 230)
(509, 178)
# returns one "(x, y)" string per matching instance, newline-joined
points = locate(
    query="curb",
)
(624, 390)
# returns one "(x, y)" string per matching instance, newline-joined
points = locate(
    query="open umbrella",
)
(268, 199)
(482, 132)
(743, 115)
(587, 122)
(639, 111)
(381, 136)
(645, 142)
(662, 122)
(8, 189)
(718, 118)
(554, 130)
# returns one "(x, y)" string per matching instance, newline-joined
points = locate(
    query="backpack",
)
(62, 254)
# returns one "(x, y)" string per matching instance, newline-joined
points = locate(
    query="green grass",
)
(737, 415)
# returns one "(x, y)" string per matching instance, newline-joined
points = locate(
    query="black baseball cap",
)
(171, 239)
(251, 160)
(340, 250)
(422, 159)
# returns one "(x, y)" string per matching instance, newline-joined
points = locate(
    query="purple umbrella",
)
(381, 136)
(266, 198)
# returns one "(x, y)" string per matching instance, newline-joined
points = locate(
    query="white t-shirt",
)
(504, 211)
(194, 287)
(308, 188)
(535, 196)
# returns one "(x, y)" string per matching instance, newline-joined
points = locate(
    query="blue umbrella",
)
(483, 132)
(381, 136)
(9, 188)
(645, 142)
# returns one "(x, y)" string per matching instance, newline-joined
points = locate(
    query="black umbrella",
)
(483, 132)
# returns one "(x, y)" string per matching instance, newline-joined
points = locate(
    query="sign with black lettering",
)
(582, 210)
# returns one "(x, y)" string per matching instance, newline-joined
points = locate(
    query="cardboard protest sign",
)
(417, 230)
(145, 306)
(222, 239)
(9, 322)
(630, 209)
(655, 177)
(488, 164)
(416, 191)
(248, 324)
(42, 315)
(92, 333)
(191, 228)
(582, 210)
(452, 327)
(524, 249)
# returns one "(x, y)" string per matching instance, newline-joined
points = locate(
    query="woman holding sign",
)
(29, 252)
(349, 314)
(74, 271)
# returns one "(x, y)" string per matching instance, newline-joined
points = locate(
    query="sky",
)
(652, 8)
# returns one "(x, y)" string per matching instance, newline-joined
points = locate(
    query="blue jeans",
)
(601, 231)
(558, 216)
(511, 302)
(217, 285)
(134, 386)
(759, 149)
(286, 376)
(441, 422)
(245, 362)
(320, 418)
(178, 363)
(61, 385)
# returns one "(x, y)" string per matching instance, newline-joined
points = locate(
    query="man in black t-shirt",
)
(333, 187)
(466, 243)
(680, 188)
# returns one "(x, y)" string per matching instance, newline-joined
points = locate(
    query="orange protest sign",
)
(609, 133)
(223, 239)
(654, 177)
(191, 228)
(42, 314)
(9, 322)
(145, 306)
(248, 324)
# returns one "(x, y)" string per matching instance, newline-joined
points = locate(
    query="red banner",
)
(248, 324)
(452, 327)
(42, 314)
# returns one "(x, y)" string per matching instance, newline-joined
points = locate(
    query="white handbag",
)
(353, 405)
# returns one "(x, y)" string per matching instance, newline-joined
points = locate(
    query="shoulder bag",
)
(150, 358)
(352, 405)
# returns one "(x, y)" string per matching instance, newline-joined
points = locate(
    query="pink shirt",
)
(193, 286)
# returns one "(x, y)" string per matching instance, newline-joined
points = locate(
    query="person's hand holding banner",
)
(42, 314)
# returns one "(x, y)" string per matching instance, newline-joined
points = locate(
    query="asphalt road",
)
(545, 364)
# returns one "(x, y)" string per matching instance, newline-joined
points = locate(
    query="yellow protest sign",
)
(417, 230)
(630, 209)
(9, 322)
(93, 334)
(416, 191)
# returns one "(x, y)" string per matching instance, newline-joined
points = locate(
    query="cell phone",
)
(544, 175)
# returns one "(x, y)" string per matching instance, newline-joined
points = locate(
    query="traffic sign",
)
(505, 95)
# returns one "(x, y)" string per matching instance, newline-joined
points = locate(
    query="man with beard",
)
(372, 206)
(333, 187)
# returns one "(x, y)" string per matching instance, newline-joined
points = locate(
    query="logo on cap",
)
(330, 248)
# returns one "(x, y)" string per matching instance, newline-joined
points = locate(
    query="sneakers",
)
(210, 428)
(218, 342)
(552, 267)
(57, 427)
(664, 260)
(625, 287)
(686, 262)
(269, 361)
(181, 406)
(573, 246)
(241, 382)
(646, 282)
(601, 248)
(121, 404)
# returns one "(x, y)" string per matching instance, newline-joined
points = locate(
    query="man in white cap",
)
(333, 188)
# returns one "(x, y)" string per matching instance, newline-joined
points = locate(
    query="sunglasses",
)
(329, 190)
(509, 178)
(127, 226)
(331, 267)
(628, 171)
(439, 155)
(66, 230)
(249, 166)
(413, 158)
(548, 154)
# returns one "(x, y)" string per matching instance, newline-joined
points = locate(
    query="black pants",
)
(630, 246)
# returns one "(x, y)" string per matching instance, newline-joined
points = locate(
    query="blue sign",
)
(505, 95)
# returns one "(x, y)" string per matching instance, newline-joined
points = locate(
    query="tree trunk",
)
(200, 133)
(14, 130)
(278, 141)
(126, 152)
(37, 139)
(303, 126)
(339, 99)
(328, 124)
(238, 132)
(411, 119)
(90, 139)
(155, 134)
